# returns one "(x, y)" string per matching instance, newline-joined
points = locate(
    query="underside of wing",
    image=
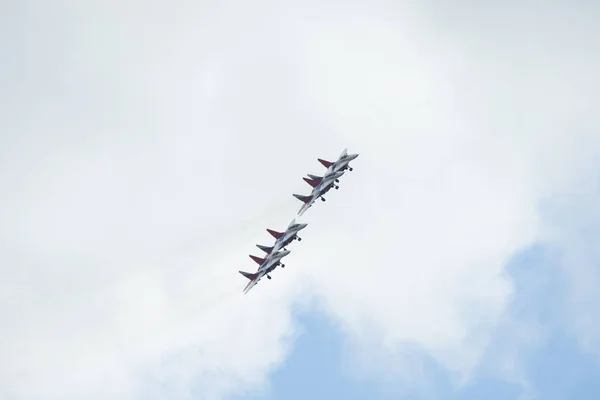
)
(250, 285)
(305, 207)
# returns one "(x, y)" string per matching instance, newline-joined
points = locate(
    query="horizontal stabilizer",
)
(311, 182)
(326, 164)
(304, 199)
(249, 275)
(258, 260)
(275, 234)
(315, 177)
(266, 249)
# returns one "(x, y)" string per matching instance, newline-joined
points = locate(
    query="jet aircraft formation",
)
(321, 185)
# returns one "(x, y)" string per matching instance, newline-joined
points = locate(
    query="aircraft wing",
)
(253, 279)
(250, 285)
(306, 206)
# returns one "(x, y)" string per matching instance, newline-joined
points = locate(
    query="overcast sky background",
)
(145, 147)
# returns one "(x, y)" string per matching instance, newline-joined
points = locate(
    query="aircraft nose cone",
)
(352, 156)
(302, 226)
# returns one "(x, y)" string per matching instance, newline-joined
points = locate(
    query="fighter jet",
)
(342, 162)
(319, 189)
(283, 238)
(332, 167)
(266, 265)
(314, 180)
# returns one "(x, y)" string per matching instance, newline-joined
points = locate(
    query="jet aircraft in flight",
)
(284, 238)
(332, 167)
(266, 265)
(341, 164)
(320, 187)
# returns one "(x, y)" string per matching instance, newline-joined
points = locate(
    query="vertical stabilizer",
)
(249, 275)
(275, 234)
(266, 249)
(325, 163)
(311, 182)
(258, 260)
(304, 199)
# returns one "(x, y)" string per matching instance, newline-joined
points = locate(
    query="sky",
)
(146, 147)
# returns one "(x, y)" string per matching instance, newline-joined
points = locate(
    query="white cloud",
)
(471, 137)
(576, 217)
(146, 152)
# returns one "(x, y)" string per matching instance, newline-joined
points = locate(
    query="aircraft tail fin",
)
(258, 260)
(249, 275)
(266, 249)
(275, 234)
(325, 163)
(304, 199)
(311, 182)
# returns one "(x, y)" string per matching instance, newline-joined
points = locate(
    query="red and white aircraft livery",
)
(266, 265)
(341, 164)
(284, 238)
(322, 184)
(320, 187)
